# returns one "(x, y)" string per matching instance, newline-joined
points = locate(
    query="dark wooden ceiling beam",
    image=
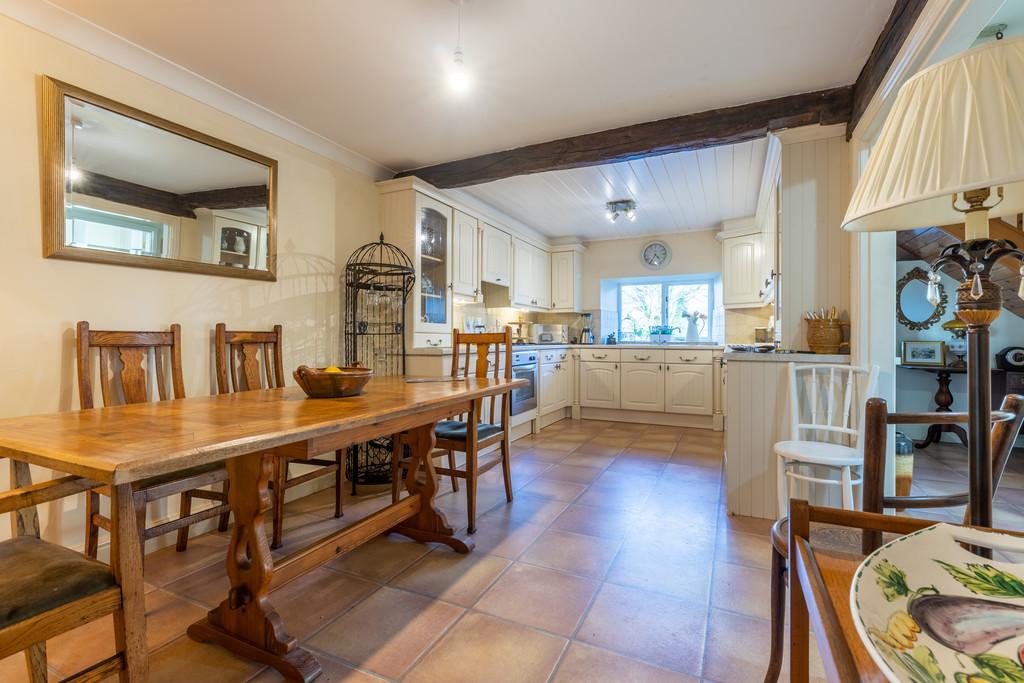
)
(890, 40)
(145, 197)
(691, 131)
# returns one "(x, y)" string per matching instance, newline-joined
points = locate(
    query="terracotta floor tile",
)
(538, 597)
(311, 601)
(587, 556)
(207, 586)
(334, 671)
(750, 525)
(599, 447)
(529, 508)
(455, 578)
(688, 457)
(653, 446)
(738, 647)
(481, 648)
(751, 550)
(579, 459)
(740, 589)
(614, 498)
(666, 564)
(185, 659)
(552, 488)
(387, 632)
(555, 445)
(593, 521)
(543, 454)
(639, 466)
(587, 664)
(166, 565)
(14, 670)
(572, 473)
(382, 558)
(505, 538)
(657, 629)
(643, 481)
(167, 617)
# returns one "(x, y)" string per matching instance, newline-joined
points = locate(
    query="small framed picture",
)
(924, 353)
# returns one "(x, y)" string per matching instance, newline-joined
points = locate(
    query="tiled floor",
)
(616, 562)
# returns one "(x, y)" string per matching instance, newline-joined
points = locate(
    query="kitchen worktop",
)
(443, 350)
(805, 357)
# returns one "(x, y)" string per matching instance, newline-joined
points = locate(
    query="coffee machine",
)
(586, 328)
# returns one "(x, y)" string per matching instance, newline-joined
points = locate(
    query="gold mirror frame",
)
(918, 274)
(53, 187)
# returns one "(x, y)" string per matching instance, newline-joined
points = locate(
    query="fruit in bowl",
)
(332, 381)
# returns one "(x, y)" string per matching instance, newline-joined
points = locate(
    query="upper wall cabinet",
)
(531, 282)
(496, 254)
(567, 280)
(465, 256)
(125, 187)
(742, 274)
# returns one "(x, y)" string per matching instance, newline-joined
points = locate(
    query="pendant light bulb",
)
(458, 78)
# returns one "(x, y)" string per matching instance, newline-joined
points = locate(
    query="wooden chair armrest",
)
(44, 492)
(942, 418)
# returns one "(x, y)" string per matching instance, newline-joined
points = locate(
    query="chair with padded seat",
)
(47, 589)
(237, 356)
(130, 363)
(459, 435)
(854, 541)
(821, 404)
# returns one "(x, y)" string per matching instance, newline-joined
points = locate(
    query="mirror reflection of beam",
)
(144, 197)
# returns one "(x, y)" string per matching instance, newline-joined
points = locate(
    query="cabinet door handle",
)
(476, 291)
(497, 279)
(687, 359)
(437, 343)
(616, 366)
(641, 357)
(659, 368)
(601, 356)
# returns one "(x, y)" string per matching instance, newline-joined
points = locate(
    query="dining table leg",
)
(126, 564)
(245, 622)
(429, 524)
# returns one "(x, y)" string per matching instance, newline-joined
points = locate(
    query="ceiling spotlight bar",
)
(620, 207)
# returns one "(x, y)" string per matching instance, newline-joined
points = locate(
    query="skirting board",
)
(643, 417)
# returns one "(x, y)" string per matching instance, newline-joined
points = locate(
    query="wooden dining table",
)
(124, 445)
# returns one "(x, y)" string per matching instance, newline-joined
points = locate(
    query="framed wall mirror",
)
(913, 309)
(121, 186)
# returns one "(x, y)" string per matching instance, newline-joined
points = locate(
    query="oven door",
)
(524, 398)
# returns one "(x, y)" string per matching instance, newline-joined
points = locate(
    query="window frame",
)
(665, 282)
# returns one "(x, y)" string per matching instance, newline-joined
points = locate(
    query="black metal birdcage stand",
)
(378, 279)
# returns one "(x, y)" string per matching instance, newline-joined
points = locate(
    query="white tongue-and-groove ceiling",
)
(369, 75)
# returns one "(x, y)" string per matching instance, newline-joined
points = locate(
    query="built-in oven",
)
(524, 366)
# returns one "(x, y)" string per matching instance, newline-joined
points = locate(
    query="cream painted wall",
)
(324, 212)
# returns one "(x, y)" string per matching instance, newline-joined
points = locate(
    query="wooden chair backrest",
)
(124, 361)
(481, 342)
(238, 357)
(1005, 428)
(826, 395)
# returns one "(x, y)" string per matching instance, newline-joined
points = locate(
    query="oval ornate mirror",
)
(912, 306)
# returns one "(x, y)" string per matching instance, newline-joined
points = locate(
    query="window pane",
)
(684, 300)
(641, 308)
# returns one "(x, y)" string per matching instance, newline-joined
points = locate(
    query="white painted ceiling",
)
(674, 192)
(369, 74)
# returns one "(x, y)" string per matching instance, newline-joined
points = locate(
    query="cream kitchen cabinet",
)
(599, 384)
(642, 386)
(555, 386)
(689, 389)
(465, 255)
(431, 296)
(742, 271)
(531, 282)
(496, 256)
(567, 280)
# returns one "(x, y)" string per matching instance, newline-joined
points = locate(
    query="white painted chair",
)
(821, 404)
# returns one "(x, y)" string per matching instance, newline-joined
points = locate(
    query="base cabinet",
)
(642, 387)
(689, 389)
(599, 384)
(555, 387)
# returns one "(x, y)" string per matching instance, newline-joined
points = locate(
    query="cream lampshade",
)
(955, 127)
(950, 151)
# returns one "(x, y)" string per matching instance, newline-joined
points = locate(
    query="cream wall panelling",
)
(815, 251)
(693, 190)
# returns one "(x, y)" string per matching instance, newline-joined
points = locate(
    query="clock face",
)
(656, 255)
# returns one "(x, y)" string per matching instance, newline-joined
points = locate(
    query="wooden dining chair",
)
(238, 359)
(467, 434)
(1006, 426)
(130, 363)
(47, 589)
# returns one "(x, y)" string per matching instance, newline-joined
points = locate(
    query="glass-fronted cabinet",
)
(433, 300)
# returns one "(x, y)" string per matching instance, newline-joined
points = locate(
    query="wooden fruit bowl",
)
(319, 384)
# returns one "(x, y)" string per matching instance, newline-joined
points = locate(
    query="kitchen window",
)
(675, 303)
(96, 229)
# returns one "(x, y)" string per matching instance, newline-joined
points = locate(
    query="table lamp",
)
(951, 151)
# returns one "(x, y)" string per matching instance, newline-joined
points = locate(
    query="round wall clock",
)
(656, 255)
